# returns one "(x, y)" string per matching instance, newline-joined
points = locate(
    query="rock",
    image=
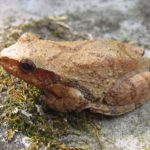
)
(118, 19)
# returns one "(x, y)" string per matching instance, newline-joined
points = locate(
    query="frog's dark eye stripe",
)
(27, 65)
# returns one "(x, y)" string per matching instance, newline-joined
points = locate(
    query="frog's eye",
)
(27, 65)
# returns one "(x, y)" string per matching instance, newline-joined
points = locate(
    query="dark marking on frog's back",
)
(76, 48)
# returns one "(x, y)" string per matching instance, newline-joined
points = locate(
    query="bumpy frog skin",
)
(104, 76)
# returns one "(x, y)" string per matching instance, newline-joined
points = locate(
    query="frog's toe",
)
(112, 110)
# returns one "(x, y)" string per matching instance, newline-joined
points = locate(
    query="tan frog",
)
(104, 76)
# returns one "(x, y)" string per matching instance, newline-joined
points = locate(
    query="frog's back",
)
(62, 56)
(96, 65)
(92, 65)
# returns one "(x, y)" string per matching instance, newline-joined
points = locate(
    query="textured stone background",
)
(119, 19)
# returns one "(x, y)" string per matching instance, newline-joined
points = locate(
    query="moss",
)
(21, 114)
(20, 106)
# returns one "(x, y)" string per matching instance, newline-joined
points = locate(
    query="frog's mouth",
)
(39, 77)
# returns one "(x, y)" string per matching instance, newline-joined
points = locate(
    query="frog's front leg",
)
(129, 92)
(64, 99)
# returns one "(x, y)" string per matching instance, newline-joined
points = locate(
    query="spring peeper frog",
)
(104, 76)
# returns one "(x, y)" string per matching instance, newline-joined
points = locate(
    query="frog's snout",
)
(3, 53)
(9, 53)
(1, 57)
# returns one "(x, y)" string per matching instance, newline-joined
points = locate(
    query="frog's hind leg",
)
(129, 92)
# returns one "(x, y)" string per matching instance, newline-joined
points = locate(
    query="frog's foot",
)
(129, 92)
(112, 110)
(63, 104)
(132, 46)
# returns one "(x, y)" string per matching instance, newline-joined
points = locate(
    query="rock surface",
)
(123, 20)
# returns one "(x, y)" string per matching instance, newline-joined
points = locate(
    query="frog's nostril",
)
(27, 65)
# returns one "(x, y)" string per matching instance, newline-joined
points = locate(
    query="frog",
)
(103, 76)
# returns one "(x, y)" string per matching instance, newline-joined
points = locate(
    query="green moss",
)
(21, 114)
